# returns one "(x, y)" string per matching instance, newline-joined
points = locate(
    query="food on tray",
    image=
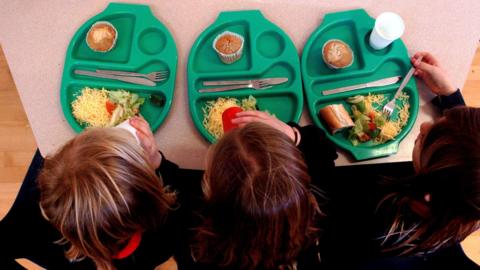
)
(227, 117)
(103, 108)
(213, 111)
(229, 46)
(337, 54)
(102, 36)
(336, 117)
(370, 122)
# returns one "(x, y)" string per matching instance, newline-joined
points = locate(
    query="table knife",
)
(271, 81)
(382, 82)
(135, 80)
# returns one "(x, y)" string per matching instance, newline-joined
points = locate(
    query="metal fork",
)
(254, 84)
(390, 106)
(155, 76)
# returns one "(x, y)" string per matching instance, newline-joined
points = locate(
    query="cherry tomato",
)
(364, 137)
(110, 106)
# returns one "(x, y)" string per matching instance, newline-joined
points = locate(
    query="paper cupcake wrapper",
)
(232, 57)
(325, 60)
(114, 40)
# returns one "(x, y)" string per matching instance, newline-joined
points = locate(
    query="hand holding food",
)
(434, 76)
(147, 140)
(246, 117)
(213, 112)
(228, 115)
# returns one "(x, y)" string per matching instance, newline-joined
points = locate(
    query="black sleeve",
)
(448, 102)
(184, 181)
(318, 151)
(168, 171)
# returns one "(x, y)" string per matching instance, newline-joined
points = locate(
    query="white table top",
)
(35, 36)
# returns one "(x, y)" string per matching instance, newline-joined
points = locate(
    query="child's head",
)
(98, 191)
(260, 212)
(446, 190)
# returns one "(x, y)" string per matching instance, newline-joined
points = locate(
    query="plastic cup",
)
(388, 27)
(227, 117)
(126, 125)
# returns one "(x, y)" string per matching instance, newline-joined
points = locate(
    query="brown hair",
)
(98, 190)
(449, 172)
(260, 212)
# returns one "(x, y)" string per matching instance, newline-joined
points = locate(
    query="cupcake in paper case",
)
(229, 46)
(102, 36)
(337, 54)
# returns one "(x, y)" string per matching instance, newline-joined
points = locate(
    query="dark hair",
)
(260, 212)
(449, 171)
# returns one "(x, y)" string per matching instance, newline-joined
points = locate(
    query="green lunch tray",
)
(268, 52)
(354, 27)
(144, 45)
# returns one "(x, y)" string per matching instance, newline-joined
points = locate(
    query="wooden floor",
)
(17, 144)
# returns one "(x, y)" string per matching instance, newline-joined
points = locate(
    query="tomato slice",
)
(110, 106)
(227, 117)
(364, 137)
(372, 126)
(371, 115)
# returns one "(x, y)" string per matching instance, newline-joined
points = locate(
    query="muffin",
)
(229, 46)
(102, 36)
(337, 54)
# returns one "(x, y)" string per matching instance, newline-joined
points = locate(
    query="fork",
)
(390, 106)
(155, 76)
(254, 84)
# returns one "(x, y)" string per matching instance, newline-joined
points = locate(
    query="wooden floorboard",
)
(17, 145)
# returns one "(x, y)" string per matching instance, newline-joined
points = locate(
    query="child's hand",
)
(147, 140)
(243, 118)
(434, 76)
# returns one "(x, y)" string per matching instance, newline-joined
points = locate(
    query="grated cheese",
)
(89, 107)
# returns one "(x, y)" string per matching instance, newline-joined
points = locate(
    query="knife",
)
(271, 81)
(134, 80)
(382, 82)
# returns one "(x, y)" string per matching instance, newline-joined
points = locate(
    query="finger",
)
(250, 113)
(144, 141)
(246, 119)
(414, 58)
(424, 67)
(419, 73)
(141, 125)
(262, 115)
(428, 57)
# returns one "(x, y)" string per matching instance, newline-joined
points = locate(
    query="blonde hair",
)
(450, 173)
(98, 190)
(260, 212)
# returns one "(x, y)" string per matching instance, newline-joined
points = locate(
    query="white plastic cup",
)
(126, 125)
(388, 27)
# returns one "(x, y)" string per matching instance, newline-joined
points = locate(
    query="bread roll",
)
(336, 117)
